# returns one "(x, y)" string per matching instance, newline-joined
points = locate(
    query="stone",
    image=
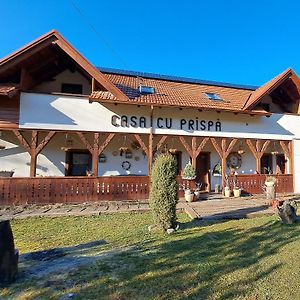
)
(288, 212)
(170, 230)
(9, 256)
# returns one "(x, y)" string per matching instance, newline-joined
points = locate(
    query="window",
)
(213, 96)
(71, 88)
(79, 162)
(146, 90)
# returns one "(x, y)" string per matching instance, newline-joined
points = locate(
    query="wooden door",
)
(202, 170)
(266, 164)
(280, 164)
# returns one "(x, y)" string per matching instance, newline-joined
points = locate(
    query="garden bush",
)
(163, 193)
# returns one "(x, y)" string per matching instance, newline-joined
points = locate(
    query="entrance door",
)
(280, 164)
(266, 164)
(78, 162)
(202, 170)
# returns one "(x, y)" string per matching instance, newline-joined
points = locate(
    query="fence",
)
(42, 190)
(253, 184)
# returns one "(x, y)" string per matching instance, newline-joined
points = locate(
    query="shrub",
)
(189, 171)
(163, 193)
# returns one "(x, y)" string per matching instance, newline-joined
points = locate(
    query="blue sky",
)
(245, 42)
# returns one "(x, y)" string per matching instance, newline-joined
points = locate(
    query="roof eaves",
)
(266, 89)
(134, 102)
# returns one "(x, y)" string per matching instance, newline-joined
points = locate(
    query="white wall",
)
(64, 77)
(297, 166)
(42, 111)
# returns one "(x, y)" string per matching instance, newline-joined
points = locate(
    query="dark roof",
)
(175, 78)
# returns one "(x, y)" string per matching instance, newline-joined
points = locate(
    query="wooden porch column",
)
(96, 149)
(287, 147)
(33, 148)
(95, 155)
(150, 153)
(195, 150)
(223, 151)
(33, 154)
(258, 150)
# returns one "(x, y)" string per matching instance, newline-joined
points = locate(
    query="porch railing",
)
(43, 190)
(252, 184)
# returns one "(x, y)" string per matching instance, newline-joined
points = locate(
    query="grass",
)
(242, 259)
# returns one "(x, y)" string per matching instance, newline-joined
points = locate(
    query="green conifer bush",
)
(163, 193)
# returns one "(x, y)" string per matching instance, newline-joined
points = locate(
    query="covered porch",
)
(48, 157)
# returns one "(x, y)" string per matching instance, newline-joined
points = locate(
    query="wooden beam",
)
(33, 154)
(186, 146)
(217, 147)
(150, 154)
(223, 152)
(255, 153)
(85, 142)
(201, 146)
(288, 152)
(93, 84)
(264, 147)
(22, 140)
(230, 147)
(161, 141)
(95, 154)
(141, 142)
(105, 143)
(45, 141)
(26, 81)
(33, 148)
(285, 149)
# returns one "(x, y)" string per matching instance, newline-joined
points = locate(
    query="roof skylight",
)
(146, 90)
(213, 96)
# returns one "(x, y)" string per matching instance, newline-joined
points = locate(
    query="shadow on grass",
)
(221, 263)
(198, 263)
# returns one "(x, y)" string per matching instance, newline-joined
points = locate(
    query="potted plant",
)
(236, 189)
(269, 187)
(189, 195)
(227, 191)
(189, 172)
(270, 181)
(197, 191)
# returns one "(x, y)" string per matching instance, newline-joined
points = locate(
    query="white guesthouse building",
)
(62, 119)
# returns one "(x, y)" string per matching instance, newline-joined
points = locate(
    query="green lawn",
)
(245, 259)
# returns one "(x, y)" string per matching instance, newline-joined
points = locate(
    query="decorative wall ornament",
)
(128, 154)
(126, 165)
(217, 170)
(234, 160)
(102, 158)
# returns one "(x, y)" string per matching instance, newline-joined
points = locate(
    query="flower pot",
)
(197, 194)
(227, 192)
(237, 192)
(189, 196)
